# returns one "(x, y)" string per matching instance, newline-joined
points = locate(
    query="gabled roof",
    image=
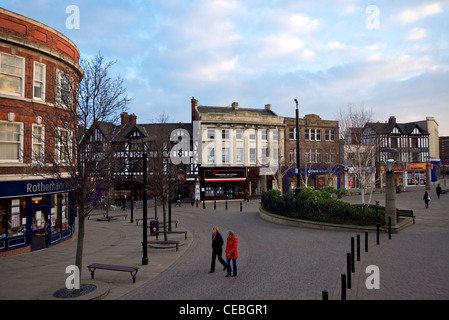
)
(403, 128)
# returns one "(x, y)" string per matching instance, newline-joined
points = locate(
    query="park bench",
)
(165, 242)
(157, 233)
(161, 224)
(132, 270)
(406, 213)
(140, 219)
(109, 217)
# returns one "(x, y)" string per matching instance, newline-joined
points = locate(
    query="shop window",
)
(12, 217)
(64, 211)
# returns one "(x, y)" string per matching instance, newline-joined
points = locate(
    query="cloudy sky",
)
(390, 56)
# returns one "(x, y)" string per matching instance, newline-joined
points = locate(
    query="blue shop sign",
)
(24, 188)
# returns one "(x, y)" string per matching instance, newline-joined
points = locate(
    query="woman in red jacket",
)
(231, 253)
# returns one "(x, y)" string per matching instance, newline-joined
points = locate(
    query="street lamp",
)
(390, 190)
(144, 209)
(298, 162)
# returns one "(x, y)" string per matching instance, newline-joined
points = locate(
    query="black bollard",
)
(215, 204)
(325, 295)
(358, 247)
(352, 255)
(197, 203)
(204, 204)
(241, 204)
(348, 269)
(366, 241)
(226, 205)
(343, 286)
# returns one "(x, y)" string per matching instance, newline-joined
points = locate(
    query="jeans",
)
(234, 266)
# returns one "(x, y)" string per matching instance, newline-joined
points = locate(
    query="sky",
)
(392, 57)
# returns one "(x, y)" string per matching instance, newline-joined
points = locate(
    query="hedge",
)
(323, 205)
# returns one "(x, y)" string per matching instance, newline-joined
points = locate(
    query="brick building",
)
(39, 72)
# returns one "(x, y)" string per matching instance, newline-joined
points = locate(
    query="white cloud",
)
(416, 34)
(413, 15)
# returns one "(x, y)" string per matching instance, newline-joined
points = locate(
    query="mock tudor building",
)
(36, 62)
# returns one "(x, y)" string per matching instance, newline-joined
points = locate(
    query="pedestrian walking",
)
(246, 195)
(124, 202)
(178, 201)
(438, 189)
(217, 249)
(426, 199)
(231, 254)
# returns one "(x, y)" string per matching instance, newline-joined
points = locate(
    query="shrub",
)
(322, 205)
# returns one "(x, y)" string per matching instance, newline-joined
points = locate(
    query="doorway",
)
(39, 228)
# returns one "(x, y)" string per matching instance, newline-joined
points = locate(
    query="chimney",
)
(235, 105)
(125, 118)
(194, 106)
(133, 119)
(392, 119)
(268, 107)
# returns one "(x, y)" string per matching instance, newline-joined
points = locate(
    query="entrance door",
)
(39, 230)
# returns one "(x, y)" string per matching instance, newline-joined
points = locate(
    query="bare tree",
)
(360, 156)
(73, 158)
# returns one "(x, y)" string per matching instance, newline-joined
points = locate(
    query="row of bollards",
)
(346, 278)
(215, 204)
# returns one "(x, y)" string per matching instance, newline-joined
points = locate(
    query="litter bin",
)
(154, 226)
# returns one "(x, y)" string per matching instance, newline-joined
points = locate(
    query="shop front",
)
(34, 214)
(222, 183)
(417, 174)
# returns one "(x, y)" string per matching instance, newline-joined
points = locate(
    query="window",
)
(210, 134)
(313, 155)
(239, 134)
(12, 74)
(63, 144)
(39, 81)
(264, 135)
(11, 140)
(240, 158)
(329, 135)
(313, 134)
(252, 135)
(38, 142)
(225, 155)
(211, 155)
(64, 85)
(225, 134)
(252, 155)
(12, 217)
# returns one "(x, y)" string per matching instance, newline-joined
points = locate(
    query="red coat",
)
(231, 247)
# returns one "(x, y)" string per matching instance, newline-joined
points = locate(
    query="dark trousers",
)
(217, 253)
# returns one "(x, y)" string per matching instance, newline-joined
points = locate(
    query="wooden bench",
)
(140, 219)
(406, 213)
(132, 270)
(165, 242)
(109, 217)
(157, 233)
(161, 224)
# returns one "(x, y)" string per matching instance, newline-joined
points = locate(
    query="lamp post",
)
(298, 162)
(144, 209)
(390, 194)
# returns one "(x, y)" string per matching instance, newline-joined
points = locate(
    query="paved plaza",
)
(276, 262)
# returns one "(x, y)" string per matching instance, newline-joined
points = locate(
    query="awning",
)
(225, 180)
